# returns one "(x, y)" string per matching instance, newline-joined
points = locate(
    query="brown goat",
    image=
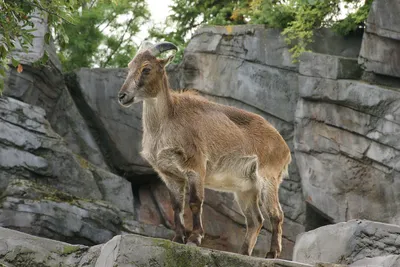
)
(190, 140)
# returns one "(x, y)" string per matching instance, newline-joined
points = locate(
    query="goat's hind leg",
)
(249, 203)
(273, 208)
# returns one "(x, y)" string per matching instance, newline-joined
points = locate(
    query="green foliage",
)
(274, 14)
(297, 18)
(188, 15)
(299, 32)
(314, 14)
(16, 26)
(353, 20)
(102, 34)
(87, 32)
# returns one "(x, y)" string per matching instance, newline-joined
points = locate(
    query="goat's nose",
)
(121, 96)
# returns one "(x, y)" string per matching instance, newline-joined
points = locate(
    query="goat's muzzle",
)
(125, 99)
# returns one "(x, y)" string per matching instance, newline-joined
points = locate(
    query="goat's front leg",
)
(196, 198)
(177, 188)
(169, 162)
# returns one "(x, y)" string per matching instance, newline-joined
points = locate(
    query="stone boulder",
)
(132, 250)
(346, 143)
(40, 86)
(382, 261)
(356, 241)
(48, 190)
(118, 130)
(44, 86)
(30, 149)
(23, 250)
(380, 50)
(47, 212)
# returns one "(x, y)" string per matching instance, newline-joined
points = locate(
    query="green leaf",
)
(47, 38)
(45, 58)
(14, 62)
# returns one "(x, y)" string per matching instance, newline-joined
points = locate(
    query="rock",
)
(144, 229)
(382, 261)
(115, 189)
(252, 43)
(23, 250)
(30, 148)
(44, 86)
(119, 130)
(149, 211)
(327, 66)
(47, 190)
(326, 41)
(256, 43)
(128, 250)
(39, 86)
(380, 52)
(348, 242)
(269, 89)
(69, 123)
(20, 249)
(47, 212)
(347, 149)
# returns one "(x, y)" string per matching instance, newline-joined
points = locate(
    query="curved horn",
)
(144, 46)
(162, 47)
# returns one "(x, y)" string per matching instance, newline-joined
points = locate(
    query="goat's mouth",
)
(126, 101)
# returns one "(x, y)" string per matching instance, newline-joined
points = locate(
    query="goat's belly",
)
(229, 182)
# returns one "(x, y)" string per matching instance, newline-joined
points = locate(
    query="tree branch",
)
(119, 44)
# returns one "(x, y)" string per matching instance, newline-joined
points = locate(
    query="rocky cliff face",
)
(24, 250)
(70, 168)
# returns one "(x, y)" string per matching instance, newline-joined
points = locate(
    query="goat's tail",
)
(285, 170)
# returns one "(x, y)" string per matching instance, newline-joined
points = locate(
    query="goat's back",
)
(221, 131)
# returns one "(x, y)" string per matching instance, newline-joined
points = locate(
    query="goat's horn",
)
(162, 47)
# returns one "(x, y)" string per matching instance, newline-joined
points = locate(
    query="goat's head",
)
(145, 73)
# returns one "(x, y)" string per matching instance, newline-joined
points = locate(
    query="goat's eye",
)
(146, 71)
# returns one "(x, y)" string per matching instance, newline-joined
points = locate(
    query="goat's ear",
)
(165, 62)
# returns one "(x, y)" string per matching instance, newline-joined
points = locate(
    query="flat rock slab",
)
(19, 249)
(133, 250)
(23, 250)
(349, 242)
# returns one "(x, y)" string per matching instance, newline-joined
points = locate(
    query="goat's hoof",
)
(244, 252)
(179, 239)
(272, 255)
(195, 239)
(191, 244)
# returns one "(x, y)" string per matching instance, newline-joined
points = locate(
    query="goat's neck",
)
(155, 110)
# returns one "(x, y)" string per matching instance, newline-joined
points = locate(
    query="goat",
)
(189, 140)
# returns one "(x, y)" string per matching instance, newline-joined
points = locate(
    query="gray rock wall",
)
(346, 141)
(380, 52)
(357, 242)
(118, 131)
